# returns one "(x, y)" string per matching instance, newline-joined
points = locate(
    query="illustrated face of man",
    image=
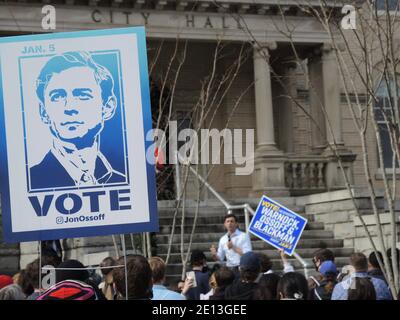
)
(73, 104)
(230, 224)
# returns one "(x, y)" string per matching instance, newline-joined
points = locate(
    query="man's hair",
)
(248, 276)
(224, 277)
(50, 257)
(139, 277)
(231, 215)
(361, 289)
(324, 255)
(157, 266)
(24, 282)
(107, 265)
(373, 259)
(71, 270)
(267, 287)
(359, 261)
(389, 254)
(197, 258)
(72, 59)
(32, 273)
(266, 263)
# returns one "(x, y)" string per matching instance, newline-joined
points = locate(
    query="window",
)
(381, 109)
(381, 4)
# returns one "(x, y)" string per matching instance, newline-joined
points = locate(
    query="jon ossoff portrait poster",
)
(74, 110)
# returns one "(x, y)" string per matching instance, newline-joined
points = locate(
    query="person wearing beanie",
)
(75, 270)
(324, 287)
(71, 270)
(243, 288)
(5, 281)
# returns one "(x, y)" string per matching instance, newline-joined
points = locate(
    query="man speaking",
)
(232, 245)
(76, 98)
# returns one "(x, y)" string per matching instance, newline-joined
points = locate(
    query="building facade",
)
(286, 86)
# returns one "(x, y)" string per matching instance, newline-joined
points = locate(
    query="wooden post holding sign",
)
(277, 225)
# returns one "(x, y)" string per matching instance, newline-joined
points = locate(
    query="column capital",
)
(264, 48)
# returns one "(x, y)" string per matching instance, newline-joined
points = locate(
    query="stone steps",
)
(215, 236)
(202, 226)
(217, 220)
(305, 253)
(257, 245)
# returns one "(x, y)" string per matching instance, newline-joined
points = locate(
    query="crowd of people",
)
(238, 274)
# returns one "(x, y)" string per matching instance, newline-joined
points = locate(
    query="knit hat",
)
(327, 267)
(72, 274)
(5, 281)
(69, 290)
(250, 262)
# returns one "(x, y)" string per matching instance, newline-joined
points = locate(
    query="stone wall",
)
(338, 213)
(88, 250)
(9, 253)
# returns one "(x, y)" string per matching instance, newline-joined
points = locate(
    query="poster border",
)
(51, 234)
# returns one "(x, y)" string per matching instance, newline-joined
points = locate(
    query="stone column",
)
(286, 93)
(263, 99)
(331, 92)
(318, 130)
(269, 175)
(333, 122)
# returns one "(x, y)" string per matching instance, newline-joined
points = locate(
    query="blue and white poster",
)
(277, 225)
(74, 113)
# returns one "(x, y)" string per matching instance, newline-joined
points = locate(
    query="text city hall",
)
(71, 203)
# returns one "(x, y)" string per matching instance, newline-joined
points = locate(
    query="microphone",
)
(229, 237)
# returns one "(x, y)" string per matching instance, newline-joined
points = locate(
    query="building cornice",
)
(256, 7)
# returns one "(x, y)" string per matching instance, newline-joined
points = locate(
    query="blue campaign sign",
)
(277, 225)
(74, 113)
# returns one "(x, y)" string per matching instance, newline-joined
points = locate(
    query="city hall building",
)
(237, 64)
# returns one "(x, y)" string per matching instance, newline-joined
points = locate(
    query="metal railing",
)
(247, 209)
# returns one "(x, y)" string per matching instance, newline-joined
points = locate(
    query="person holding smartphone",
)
(232, 245)
(199, 280)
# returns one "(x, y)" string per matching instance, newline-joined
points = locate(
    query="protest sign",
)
(74, 113)
(277, 225)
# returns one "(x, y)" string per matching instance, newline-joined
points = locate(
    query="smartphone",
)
(191, 275)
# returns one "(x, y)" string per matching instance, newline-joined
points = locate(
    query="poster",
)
(74, 113)
(277, 225)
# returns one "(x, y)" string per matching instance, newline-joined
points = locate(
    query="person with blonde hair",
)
(160, 292)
